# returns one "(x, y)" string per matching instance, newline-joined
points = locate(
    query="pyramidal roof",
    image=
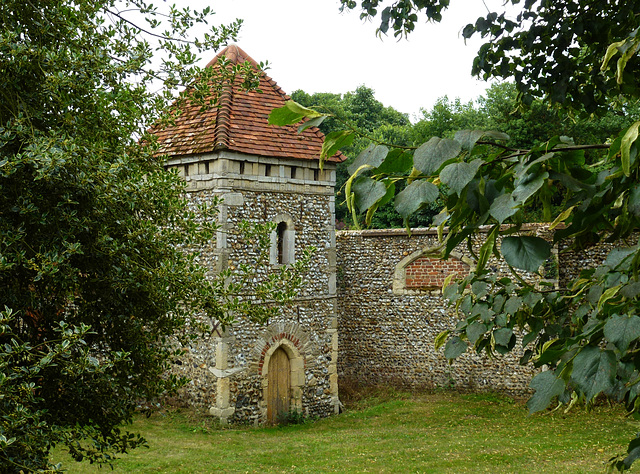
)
(240, 123)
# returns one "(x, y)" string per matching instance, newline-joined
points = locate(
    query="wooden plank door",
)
(279, 385)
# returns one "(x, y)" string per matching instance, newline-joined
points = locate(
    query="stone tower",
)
(250, 372)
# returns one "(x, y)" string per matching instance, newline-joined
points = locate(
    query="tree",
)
(359, 110)
(585, 334)
(94, 279)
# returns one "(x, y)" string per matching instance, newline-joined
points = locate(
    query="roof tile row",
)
(240, 123)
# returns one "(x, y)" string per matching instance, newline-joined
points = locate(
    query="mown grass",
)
(434, 433)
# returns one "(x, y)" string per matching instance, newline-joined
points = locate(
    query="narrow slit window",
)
(294, 172)
(281, 229)
(242, 167)
(206, 167)
(267, 170)
(316, 175)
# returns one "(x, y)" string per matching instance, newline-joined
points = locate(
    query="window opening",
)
(242, 166)
(316, 175)
(267, 170)
(294, 172)
(282, 228)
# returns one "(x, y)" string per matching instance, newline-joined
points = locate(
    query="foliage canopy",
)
(583, 331)
(94, 279)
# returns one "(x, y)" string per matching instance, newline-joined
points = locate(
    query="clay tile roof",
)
(240, 123)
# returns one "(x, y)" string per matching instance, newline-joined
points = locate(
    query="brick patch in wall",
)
(430, 272)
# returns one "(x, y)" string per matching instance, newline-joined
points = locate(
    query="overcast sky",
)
(311, 46)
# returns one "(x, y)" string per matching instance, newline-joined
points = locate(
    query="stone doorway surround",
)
(292, 340)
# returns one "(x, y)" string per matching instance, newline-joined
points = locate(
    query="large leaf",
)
(458, 175)
(503, 336)
(512, 305)
(546, 386)
(475, 330)
(503, 207)
(628, 139)
(527, 186)
(292, 113)
(333, 142)
(634, 200)
(414, 196)
(373, 156)
(633, 453)
(368, 192)
(468, 138)
(397, 161)
(487, 249)
(618, 256)
(525, 252)
(594, 370)
(455, 346)
(314, 122)
(496, 135)
(430, 156)
(622, 330)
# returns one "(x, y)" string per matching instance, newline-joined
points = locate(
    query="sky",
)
(311, 46)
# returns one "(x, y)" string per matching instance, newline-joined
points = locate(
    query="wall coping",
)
(401, 232)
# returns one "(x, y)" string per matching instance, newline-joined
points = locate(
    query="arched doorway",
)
(278, 385)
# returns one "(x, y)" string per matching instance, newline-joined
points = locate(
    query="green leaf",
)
(458, 175)
(441, 339)
(487, 248)
(607, 295)
(526, 187)
(546, 386)
(291, 113)
(496, 135)
(634, 200)
(621, 330)
(475, 330)
(368, 191)
(373, 156)
(315, 122)
(455, 346)
(430, 156)
(512, 305)
(631, 290)
(628, 139)
(618, 256)
(284, 116)
(483, 310)
(525, 252)
(503, 207)
(633, 453)
(333, 142)
(593, 371)
(561, 217)
(397, 161)
(468, 138)
(502, 336)
(530, 337)
(414, 196)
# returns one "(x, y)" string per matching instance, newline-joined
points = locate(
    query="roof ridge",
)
(223, 118)
(235, 54)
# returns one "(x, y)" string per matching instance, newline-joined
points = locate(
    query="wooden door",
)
(279, 385)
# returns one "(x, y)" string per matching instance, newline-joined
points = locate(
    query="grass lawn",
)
(441, 432)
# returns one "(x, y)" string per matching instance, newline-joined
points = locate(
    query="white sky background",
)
(311, 46)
